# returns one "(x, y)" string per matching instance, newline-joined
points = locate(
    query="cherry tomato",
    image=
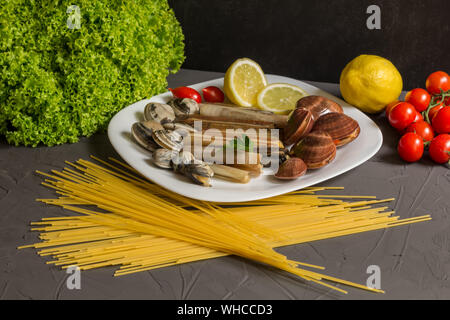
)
(433, 111)
(410, 147)
(213, 94)
(402, 115)
(418, 117)
(441, 121)
(436, 81)
(186, 92)
(423, 129)
(390, 106)
(419, 98)
(447, 101)
(440, 148)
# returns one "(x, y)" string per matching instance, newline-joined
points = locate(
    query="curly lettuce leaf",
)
(58, 83)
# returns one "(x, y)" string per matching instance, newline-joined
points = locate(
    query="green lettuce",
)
(59, 82)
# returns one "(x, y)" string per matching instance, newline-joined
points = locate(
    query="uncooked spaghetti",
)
(139, 226)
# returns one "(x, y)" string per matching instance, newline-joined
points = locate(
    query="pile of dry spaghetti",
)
(138, 225)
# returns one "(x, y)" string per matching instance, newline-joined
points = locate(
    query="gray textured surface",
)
(414, 260)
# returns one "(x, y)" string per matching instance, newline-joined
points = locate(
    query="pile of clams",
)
(312, 132)
(315, 128)
(166, 125)
(158, 134)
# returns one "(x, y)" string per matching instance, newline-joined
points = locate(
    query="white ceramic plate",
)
(347, 157)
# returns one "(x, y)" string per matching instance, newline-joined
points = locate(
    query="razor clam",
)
(183, 107)
(229, 173)
(159, 112)
(226, 122)
(171, 140)
(142, 133)
(238, 114)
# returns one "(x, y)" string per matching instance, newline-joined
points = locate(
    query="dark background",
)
(314, 40)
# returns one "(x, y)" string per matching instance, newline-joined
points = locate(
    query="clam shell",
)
(318, 105)
(171, 140)
(163, 157)
(316, 149)
(142, 133)
(183, 107)
(299, 124)
(199, 172)
(182, 128)
(342, 128)
(184, 157)
(292, 168)
(159, 112)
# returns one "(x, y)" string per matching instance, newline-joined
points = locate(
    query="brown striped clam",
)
(291, 169)
(316, 149)
(342, 128)
(299, 124)
(318, 106)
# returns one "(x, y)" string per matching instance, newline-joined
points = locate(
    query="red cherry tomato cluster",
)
(424, 120)
(210, 94)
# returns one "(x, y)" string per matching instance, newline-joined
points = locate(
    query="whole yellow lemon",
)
(370, 82)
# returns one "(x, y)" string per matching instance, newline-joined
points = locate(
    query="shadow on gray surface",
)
(3, 143)
(98, 145)
(284, 280)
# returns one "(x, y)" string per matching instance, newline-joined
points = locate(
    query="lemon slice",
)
(243, 80)
(279, 98)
